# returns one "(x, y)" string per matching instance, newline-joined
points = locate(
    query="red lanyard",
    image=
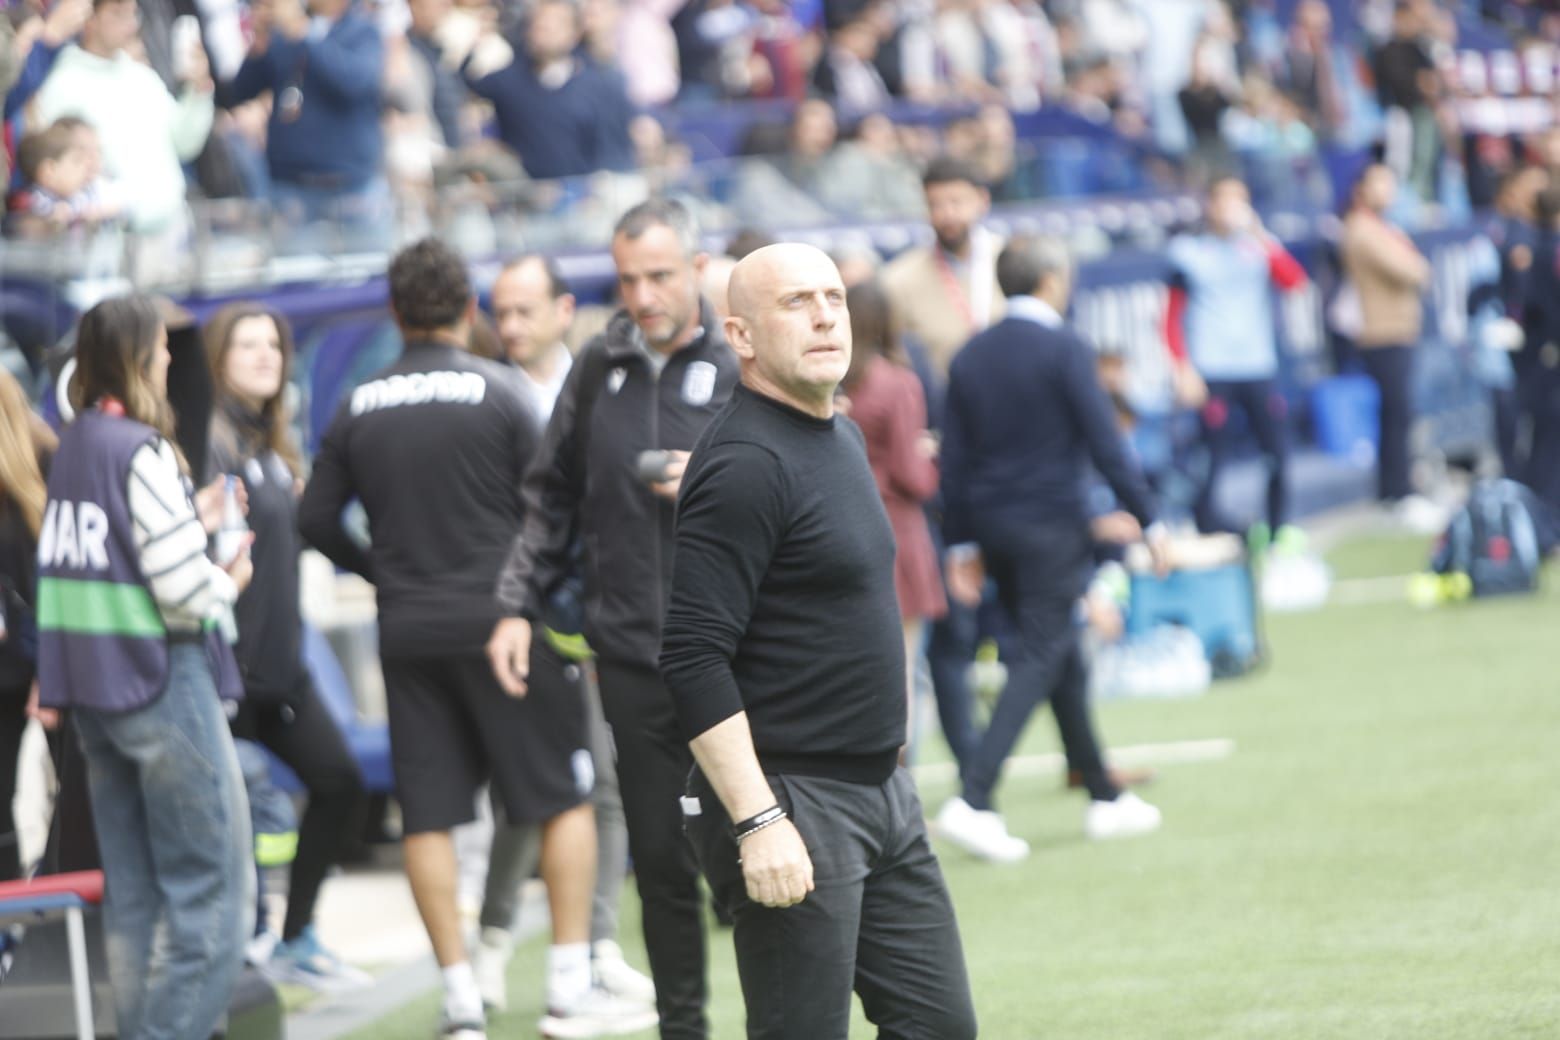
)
(111, 406)
(950, 281)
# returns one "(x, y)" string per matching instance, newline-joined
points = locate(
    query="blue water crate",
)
(1346, 412)
(1218, 603)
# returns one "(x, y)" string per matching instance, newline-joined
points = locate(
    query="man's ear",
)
(739, 337)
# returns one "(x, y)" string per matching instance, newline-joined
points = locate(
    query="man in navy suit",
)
(1025, 415)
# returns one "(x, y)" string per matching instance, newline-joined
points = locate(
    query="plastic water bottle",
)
(233, 529)
(232, 533)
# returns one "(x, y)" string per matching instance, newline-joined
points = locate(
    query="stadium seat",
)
(50, 898)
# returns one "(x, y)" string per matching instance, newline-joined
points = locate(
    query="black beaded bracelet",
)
(753, 824)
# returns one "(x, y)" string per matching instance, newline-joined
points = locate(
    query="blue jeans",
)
(173, 828)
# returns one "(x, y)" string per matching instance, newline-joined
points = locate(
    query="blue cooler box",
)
(1219, 604)
(1346, 413)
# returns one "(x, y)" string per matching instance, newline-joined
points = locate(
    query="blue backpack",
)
(1495, 540)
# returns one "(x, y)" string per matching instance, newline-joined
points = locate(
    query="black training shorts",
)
(452, 728)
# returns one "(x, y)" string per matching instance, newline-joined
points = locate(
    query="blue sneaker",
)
(10, 941)
(304, 962)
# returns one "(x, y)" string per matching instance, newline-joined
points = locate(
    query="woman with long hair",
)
(888, 403)
(250, 351)
(25, 445)
(127, 605)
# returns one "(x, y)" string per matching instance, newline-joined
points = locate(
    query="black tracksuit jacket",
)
(586, 482)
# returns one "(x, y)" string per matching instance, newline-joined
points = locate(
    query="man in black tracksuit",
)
(435, 447)
(651, 382)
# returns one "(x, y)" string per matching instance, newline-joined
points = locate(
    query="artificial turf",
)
(1377, 859)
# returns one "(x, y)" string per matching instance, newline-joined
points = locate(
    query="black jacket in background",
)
(1025, 415)
(19, 587)
(593, 488)
(435, 447)
(270, 624)
(1397, 66)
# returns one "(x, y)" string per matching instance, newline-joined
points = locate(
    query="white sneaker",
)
(257, 952)
(617, 976)
(461, 1029)
(597, 1013)
(980, 832)
(490, 963)
(1126, 816)
(1420, 515)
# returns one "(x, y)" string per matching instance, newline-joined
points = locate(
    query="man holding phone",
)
(610, 467)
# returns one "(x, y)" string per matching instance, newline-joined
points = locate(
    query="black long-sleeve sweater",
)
(783, 600)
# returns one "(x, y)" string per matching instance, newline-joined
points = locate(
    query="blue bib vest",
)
(102, 643)
(1229, 306)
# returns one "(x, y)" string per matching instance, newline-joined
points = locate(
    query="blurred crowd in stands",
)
(382, 120)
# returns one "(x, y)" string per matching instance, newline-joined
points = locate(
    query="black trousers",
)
(1541, 472)
(949, 653)
(1393, 370)
(1265, 411)
(301, 732)
(1038, 570)
(879, 923)
(653, 763)
(1506, 413)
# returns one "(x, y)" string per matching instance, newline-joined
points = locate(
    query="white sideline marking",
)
(1365, 591)
(1175, 753)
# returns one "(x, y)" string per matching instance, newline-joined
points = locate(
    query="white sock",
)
(462, 998)
(568, 973)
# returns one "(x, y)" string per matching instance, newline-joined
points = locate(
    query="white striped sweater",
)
(188, 588)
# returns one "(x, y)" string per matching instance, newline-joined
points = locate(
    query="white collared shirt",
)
(542, 396)
(1032, 308)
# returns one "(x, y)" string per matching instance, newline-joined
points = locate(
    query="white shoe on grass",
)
(597, 1013)
(980, 832)
(1420, 515)
(1128, 815)
(617, 976)
(462, 1028)
(490, 964)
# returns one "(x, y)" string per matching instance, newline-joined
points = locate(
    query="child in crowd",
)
(62, 166)
(105, 201)
(56, 176)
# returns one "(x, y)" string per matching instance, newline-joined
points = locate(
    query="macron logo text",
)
(419, 388)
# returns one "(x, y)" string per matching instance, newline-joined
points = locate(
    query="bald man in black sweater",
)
(782, 650)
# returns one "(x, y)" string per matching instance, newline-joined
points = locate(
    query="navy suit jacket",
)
(1024, 416)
